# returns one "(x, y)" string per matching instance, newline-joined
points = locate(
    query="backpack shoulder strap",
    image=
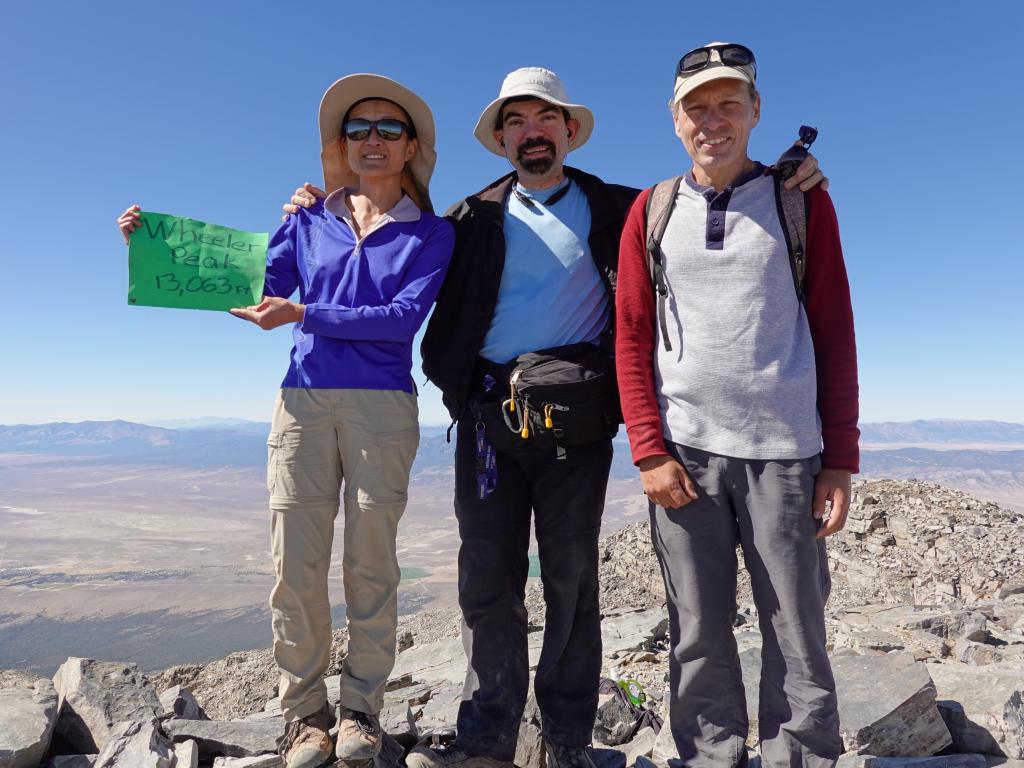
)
(659, 207)
(792, 208)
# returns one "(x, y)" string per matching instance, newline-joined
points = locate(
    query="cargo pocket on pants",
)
(273, 459)
(397, 453)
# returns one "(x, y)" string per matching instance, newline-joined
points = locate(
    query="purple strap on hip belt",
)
(486, 461)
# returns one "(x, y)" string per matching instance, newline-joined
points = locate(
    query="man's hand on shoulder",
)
(807, 175)
(666, 482)
(831, 485)
(306, 197)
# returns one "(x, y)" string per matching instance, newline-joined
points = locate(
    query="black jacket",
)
(465, 305)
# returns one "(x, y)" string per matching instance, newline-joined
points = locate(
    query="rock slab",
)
(850, 760)
(96, 694)
(894, 719)
(219, 738)
(71, 761)
(259, 761)
(179, 702)
(983, 707)
(27, 721)
(138, 744)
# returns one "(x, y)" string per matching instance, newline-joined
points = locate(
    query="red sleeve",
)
(830, 316)
(634, 338)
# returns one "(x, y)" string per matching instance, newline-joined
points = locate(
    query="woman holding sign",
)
(367, 262)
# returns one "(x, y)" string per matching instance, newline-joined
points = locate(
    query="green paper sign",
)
(189, 264)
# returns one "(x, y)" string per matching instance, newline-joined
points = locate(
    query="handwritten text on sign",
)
(189, 264)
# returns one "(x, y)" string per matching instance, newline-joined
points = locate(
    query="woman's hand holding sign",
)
(271, 313)
(128, 222)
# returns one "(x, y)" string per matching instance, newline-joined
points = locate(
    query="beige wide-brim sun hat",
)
(340, 97)
(541, 84)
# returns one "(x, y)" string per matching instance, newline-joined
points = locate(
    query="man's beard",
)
(536, 166)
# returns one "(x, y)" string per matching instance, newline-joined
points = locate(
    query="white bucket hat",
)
(541, 84)
(338, 100)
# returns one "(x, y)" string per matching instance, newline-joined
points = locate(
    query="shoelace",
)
(364, 723)
(291, 732)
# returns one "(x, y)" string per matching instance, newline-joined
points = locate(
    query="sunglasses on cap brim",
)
(389, 129)
(730, 55)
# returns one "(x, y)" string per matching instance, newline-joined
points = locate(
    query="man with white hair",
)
(739, 391)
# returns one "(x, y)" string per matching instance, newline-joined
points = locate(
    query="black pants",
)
(567, 498)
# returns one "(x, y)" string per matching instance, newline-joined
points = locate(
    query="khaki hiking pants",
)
(321, 441)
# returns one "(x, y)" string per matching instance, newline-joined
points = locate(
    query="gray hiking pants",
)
(765, 507)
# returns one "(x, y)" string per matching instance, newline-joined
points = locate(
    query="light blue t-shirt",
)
(551, 292)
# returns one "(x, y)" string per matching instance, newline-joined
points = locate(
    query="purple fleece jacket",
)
(365, 299)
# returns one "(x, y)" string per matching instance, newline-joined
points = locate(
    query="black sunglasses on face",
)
(388, 129)
(731, 55)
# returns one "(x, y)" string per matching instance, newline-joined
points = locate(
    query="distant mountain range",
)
(237, 442)
(948, 431)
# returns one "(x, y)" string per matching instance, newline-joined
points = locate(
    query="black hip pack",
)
(560, 397)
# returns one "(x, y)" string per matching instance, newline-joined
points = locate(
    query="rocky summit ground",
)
(926, 625)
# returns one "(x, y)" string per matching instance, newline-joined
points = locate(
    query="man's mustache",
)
(532, 143)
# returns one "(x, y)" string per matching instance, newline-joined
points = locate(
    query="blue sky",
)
(209, 110)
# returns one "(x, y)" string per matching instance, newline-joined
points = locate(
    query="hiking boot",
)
(358, 735)
(568, 757)
(307, 742)
(442, 752)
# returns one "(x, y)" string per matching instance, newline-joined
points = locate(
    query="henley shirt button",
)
(715, 222)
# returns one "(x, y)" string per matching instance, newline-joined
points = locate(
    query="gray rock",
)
(441, 711)
(71, 761)
(614, 722)
(27, 720)
(967, 735)
(186, 754)
(443, 661)
(413, 694)
(641, 745)
(632, 631)
(531, 712)
(258, 761)
(264, 716)
(893, 719)
(850, 760)
(750, 668)
(219, 738)
(530, 747)
(982, 707)
(664, 745)
(138, 744)
(96, 694)
(396, 719)
(975, 654)
(179, 702)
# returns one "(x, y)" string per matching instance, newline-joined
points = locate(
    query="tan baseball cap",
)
(715, 69)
